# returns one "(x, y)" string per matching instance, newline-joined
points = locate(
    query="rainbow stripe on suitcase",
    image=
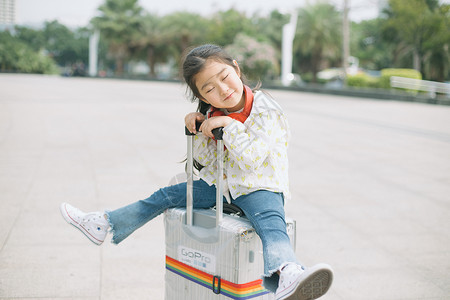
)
(218, 285)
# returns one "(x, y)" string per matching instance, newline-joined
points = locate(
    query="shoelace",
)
(86, 218)
(288, 272)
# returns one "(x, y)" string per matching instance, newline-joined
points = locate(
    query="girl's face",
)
(220, 85)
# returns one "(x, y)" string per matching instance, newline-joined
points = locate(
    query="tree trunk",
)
(345, 38)
(184, 42)
(416, 60)
(119, 66)
(316, 60)
(151, 61)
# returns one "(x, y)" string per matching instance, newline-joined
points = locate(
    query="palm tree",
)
(184, 29)
(318, 35)
(226, 25)
(437, 49)
(151, 42)
(420, 28)
(118, 23)
(404, 26)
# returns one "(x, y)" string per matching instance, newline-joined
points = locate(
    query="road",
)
(370, 181)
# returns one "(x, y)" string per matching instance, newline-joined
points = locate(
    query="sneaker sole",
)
(315, 285)
(75, 224)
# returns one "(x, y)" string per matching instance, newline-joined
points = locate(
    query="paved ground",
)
(370, 183)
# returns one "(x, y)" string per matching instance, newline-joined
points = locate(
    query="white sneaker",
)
(93, 225)
(299, 284)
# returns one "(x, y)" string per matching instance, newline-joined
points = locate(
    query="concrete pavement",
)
(370, 182)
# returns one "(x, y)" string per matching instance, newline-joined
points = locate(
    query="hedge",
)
(362, 80)
(386, 74)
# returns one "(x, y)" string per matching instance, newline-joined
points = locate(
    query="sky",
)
(76, 13)
(79, 12)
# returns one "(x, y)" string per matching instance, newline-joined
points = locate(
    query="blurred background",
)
(370, 179)
(335, 44)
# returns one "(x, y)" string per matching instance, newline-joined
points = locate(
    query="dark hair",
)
(194, 62)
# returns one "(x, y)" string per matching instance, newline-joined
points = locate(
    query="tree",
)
(33, 38)
(368, 45)
(65, 46)
(318, 36)
(118, 23)
(436, 60)
(409, 24)
(270, 30)
(225, 26)
(150, 42)
(17, 56)
(183, 30)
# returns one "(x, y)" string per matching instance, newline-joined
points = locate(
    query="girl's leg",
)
(126, 220)
(265, 210)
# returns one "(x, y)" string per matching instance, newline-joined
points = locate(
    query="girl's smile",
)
(220, 85)
(229, 96)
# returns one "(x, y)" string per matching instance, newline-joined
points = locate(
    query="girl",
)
(255, 135)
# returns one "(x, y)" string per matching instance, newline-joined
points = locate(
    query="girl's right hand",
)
(191, 118)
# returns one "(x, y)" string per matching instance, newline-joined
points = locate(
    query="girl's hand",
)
(191, 118)
(214, 122)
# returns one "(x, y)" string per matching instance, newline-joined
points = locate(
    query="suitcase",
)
(210, 255)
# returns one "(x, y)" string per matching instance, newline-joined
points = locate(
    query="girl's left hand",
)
(214, 122)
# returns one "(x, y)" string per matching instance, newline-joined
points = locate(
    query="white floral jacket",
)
(255, 157)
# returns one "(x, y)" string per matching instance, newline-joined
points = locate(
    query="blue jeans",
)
(264, 209)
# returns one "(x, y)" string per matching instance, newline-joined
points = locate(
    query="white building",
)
(7, 12)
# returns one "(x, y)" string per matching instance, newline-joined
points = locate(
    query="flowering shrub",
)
(257, 60)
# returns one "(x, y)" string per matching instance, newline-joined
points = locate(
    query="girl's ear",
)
(238, 70)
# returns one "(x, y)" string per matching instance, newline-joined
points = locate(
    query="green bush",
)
(307, 77)
(385, 80)
(16, 56)
(362, 80)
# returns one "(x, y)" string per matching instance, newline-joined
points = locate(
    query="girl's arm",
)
(213, 123)
(204, 148)
(250, 145)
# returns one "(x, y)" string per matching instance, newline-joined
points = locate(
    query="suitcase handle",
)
(217, 132)
(218, 135)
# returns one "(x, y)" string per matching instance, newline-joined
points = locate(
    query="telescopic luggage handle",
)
(218, 132)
